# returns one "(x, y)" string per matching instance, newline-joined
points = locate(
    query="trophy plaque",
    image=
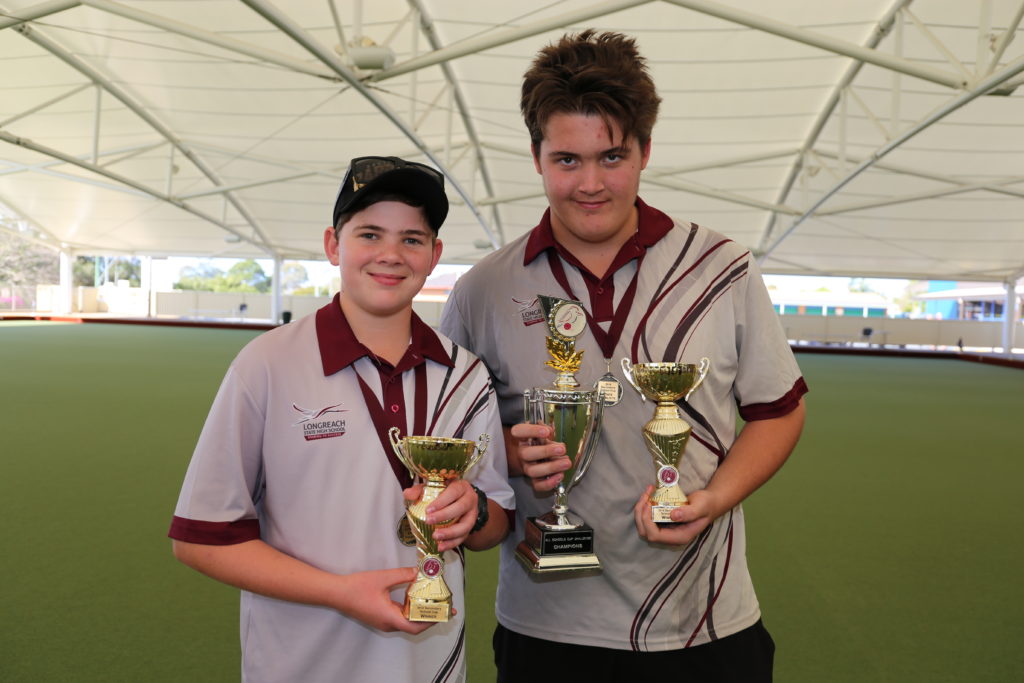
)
(560, 541)
(439, 461)
(667, 432)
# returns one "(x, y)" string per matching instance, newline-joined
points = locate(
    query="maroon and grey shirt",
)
(295, 452)
(697, 294)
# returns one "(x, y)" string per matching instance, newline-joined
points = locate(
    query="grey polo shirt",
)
(697, 294)
(291, 453)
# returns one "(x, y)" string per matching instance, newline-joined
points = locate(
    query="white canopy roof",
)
(846, 137)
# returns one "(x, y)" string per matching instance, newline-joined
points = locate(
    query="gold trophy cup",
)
(439, 461)
(667, 432)
(560, 541)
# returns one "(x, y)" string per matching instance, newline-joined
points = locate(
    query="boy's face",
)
(591, 178)
(385, 253)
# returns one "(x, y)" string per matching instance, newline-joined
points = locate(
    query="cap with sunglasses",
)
(371, 175)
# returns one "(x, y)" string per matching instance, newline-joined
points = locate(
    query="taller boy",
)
(673, 599)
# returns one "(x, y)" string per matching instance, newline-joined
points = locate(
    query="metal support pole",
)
(1011, 316)
(275, 297)
(146, 282)
(894, 113)
(63, 301)
(96, 125)
(36, 12)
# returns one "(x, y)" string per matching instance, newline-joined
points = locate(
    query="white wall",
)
(896, 331)
(806, 328)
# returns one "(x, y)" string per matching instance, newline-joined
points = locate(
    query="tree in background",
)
(860, 284)
(247, 276)
(24, 264)
(244, 276)
(908, 302)
(94, 271)
(293, 277)
(200, 277)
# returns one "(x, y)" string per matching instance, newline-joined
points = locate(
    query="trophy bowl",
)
(436, 457)
(666, 381)
(439, 460)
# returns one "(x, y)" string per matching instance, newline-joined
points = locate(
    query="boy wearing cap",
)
(294, 494)
(672, 601)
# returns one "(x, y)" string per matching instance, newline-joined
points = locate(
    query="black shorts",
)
(743, 657)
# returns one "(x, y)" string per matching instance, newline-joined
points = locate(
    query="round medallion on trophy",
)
(431, 566)
(668, 475)
(568, 319)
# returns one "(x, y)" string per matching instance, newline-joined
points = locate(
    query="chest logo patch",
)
(529, 310)
(320, 424)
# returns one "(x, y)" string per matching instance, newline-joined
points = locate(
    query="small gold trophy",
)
(440, 461)
(666, 433)
(560, 541)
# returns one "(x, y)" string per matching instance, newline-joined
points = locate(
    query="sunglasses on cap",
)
(364, 170)
(371, 174)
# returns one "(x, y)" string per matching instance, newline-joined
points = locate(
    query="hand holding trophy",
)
(440, 461)
(559, 540)
(666, 434)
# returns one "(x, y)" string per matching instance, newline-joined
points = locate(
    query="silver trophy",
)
(560, 541)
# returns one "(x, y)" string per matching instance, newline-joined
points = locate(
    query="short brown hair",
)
(598, 74)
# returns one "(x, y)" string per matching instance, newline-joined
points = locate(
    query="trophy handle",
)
(533, 410)
(595, 435)
(481, 447)
(627, 370)
(396, 445)
(702, 372)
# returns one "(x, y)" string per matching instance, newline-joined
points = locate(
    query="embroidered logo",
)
(529, 310)
(320, 424)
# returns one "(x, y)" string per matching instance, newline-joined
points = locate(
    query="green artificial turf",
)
(98, 424)
(887, 549)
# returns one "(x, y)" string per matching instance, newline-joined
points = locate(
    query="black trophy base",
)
(557, 550)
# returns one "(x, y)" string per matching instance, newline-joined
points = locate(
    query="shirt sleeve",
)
(452, 325)
(218, 500)
(768, 380)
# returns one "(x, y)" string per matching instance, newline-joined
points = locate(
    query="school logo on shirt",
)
(320, 424)
(529, 310)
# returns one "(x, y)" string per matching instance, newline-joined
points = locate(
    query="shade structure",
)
(849, 137)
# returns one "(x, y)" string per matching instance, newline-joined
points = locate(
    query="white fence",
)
(896, 331)
(241, 306)
(814, 329)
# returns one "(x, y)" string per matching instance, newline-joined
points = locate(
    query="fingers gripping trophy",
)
(560, 541)
(439, 461)
(666, 434)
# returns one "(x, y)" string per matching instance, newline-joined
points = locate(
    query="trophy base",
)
(421, 609)
(564, 550)
(662, 514)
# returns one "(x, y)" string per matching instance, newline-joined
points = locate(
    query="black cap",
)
(370, 175)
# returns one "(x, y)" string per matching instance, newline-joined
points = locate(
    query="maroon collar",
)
(339, 347)
(652, 225)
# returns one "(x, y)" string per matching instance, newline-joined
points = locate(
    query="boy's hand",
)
(689, 520)
(368, 599)
(458, 502)
(536, 457)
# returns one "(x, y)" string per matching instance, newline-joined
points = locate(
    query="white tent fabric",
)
(844, 137)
